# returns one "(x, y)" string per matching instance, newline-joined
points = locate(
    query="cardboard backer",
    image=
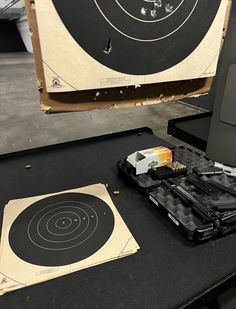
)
(113, 97)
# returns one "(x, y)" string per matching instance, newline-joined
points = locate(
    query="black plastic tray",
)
(182, 217)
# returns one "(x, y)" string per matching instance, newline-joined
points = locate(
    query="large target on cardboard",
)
(108, 43)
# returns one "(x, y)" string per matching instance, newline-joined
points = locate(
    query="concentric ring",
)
(61, 229)
(137, 45)
(153, 20)
(149, 32)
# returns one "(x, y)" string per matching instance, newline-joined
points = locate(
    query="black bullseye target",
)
(145, 36)
(61, 229)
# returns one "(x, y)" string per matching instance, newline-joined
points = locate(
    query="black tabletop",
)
(167, 272)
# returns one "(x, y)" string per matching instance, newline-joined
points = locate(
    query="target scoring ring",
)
(85, 218)
(63, 223)
(61, 229)
(148, 21)
(151, 30)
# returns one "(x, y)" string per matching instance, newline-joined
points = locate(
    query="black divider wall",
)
(222, 137)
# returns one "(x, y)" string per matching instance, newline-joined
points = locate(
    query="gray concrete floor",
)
(23, 125)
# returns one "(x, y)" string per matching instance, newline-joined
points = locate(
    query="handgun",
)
(222, 187)
(203, 185)
(204, 212)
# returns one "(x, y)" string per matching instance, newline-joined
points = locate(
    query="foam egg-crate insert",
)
(143, 181)
(175, 207)
(182, 154)
(180, 211)
(191, 158)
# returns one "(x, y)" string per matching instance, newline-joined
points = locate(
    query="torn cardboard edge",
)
(111, 98)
